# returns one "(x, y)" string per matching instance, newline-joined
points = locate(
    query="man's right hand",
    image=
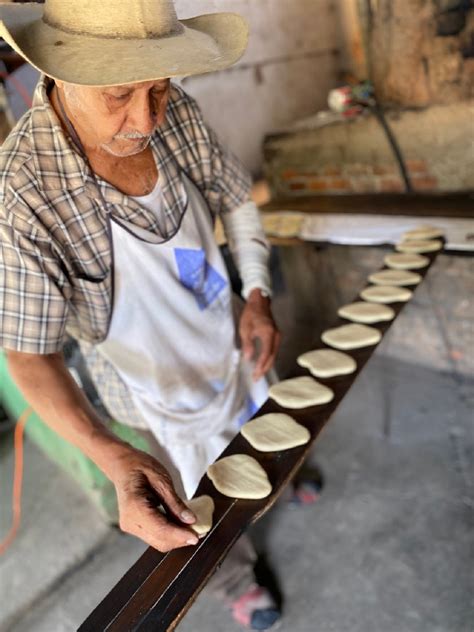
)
(142, 485)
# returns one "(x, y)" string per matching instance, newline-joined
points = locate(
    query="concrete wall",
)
(286, 72)
(355, 157)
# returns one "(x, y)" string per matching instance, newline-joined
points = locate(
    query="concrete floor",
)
(389, 546)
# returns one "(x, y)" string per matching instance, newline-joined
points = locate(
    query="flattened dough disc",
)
(351, 336)
(203, 509)
(300, 392)
(419, 245)
(423, 232)
(386, 294)
(275, 431)
(362, 312)
(395, 277)
(327, 362)
(240, 476)
(406, 261)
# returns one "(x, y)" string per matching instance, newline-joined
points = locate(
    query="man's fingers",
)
(265, 363)
(266, 348)
(246, 342)
(275, 346)
(151, 526)
(170, 536)
(173, 502)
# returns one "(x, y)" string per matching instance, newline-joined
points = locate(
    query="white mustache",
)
(132, 136)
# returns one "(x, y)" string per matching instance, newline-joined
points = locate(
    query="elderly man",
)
(109, 188)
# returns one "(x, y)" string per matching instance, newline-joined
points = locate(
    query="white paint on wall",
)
(289, 66)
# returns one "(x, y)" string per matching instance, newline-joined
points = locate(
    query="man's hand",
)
(142, 485)
(257, 324)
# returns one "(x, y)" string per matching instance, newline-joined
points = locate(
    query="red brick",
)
(318, 184)
(416, 166)
(332, 171)
(385, 170)
(288, 174)
(338, 184)
(387, 185)
(297, 186)
(424, 183)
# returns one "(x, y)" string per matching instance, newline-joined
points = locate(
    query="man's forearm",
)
(47, 385)
(51, 391)
(249, 247)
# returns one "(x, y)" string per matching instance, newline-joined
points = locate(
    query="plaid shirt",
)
(55, 255)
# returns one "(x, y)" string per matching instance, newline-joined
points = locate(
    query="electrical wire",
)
(377, 111)
(17, 480)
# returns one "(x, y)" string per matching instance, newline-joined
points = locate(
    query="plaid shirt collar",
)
(48, 141)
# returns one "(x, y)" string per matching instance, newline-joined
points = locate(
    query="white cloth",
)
(172, 339)
(249, 247)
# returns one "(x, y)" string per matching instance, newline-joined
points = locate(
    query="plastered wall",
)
(289, 66)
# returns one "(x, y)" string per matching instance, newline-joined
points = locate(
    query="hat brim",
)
(207, 43)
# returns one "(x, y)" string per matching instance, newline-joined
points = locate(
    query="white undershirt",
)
(152, 201)
(245, 236)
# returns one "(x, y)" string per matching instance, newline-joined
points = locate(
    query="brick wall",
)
(358, 178)
(354, 156)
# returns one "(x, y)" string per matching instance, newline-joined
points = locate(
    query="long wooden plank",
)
(459, 205)
(158, 589)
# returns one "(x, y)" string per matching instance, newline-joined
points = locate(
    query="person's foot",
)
(256, 609)
(307, 487)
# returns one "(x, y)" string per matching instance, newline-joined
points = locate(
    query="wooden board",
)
(157, 591)
(415, 204)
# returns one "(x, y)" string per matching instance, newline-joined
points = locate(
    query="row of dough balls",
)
(241, 476)
(388, 286)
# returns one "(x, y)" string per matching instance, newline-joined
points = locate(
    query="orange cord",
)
(17, 480)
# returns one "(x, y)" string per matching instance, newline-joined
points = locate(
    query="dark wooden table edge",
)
(457, 205)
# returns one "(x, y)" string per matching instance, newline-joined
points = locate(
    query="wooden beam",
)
(459, 205)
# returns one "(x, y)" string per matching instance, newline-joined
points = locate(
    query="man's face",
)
(118, 119)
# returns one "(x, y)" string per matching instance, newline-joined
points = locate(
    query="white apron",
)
(172, 340)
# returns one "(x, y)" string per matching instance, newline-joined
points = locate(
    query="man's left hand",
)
(257, 325)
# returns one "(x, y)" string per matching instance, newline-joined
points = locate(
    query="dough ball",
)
(419, 245)
(386, 294)
(275, 431)
(406, 261)
(351, 336)
(423, 232)
(327, 362)
(395, 277)
(240, 476)
(300, 392)
(362, 312)
(203, 508)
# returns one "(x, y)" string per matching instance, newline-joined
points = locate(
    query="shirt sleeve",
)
(220, 175)
(33, 287)
(231, 183)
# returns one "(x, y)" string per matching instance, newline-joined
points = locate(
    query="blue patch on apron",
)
(198, 276)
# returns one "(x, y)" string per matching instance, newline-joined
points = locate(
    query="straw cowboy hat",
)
(113, 42)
